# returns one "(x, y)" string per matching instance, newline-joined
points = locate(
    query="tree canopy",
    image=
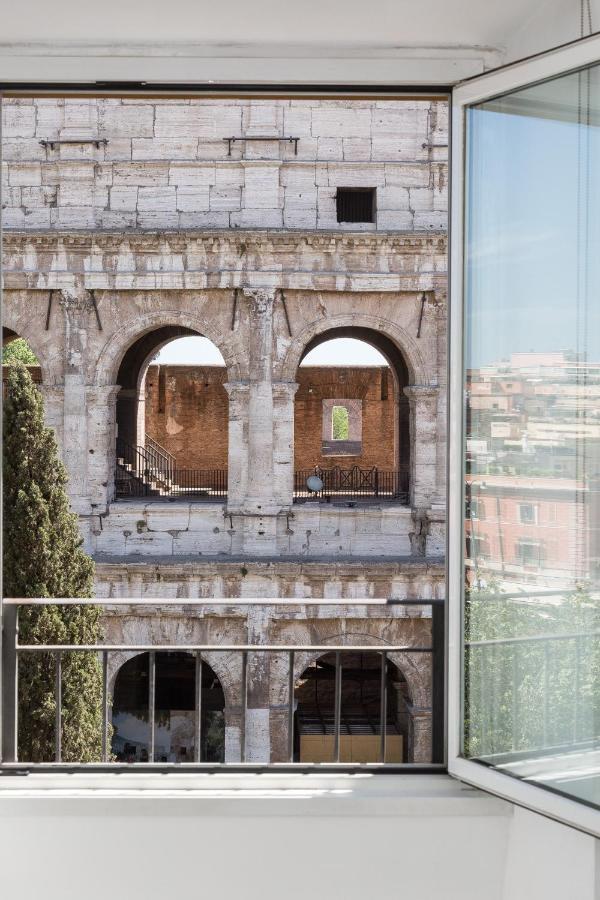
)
(43, 557)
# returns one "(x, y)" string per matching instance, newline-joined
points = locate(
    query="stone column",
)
(423, 433)
(237, 463)
(101, 403)
(54, 414)
(76, 305)
(441, 316)
(283, 442)
(259, 494)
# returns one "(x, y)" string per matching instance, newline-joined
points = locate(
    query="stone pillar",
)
(258, 733)
(441, 316)
(76, 305)
(423, 431)
(259, 495)
(101, 403)
(283, 442)
(54, 413)
(237, 463)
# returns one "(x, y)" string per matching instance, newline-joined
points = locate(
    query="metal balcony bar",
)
(12, 650)
(354, 483)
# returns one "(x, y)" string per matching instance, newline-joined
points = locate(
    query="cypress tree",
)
(43, 557)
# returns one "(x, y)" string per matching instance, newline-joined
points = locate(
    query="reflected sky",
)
(533, 222)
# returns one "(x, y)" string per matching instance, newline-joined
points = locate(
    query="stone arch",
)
(112, 353)
(352, 325)
(50, 362)
(417, 677)
(123, 361)
(227, 668)
(391, 341)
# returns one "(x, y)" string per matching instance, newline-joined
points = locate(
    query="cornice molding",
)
(213, 241)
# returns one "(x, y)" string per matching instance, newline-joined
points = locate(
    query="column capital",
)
(283, 389)
(103, 393)
(261, 299)
(235, 388)
(421, 391)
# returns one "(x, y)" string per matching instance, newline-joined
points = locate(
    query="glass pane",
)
(532, 435)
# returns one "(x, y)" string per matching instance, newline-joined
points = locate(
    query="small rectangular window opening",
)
(355, 204)
(340, 424)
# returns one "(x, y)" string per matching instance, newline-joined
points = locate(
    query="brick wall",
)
(368, 384)
(187, 412)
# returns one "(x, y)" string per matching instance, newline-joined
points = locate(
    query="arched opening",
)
(360, 686)
(172, 417)
(351, 418)
(175, 710)
(16, 348)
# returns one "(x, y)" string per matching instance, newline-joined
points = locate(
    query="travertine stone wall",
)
(144, 221)
(268, 674)
(166, 166)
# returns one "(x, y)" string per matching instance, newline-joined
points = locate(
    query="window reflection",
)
(532, 470)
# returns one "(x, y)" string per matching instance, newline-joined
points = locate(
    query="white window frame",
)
(519, 75)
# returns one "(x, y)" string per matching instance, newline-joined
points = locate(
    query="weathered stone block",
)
(18, 121)
(256, 218)
(431, 221)
(157, 199)
(153, 148)
(395, 220)
(25, 174)
(355, 175)
(127, 121)
(153, 219)
(22, 150)
(123, 198)
(357, 149)
(192, 199)
(81, 194)
(392, 197)
(297, 119)
(330, 148)
(338, 121)
(225, 198)
(211, 219)
(194, 175)
(406, 175)
(118, 150)
(146, 175)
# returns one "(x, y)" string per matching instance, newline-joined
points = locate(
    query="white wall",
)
(266, 837)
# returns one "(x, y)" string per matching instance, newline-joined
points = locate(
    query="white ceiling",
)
(436, 40)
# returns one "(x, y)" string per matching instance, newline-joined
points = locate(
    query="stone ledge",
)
(363, 794)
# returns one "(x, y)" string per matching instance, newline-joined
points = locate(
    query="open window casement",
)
(524, 640)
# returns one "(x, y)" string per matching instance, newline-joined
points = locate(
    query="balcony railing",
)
(308, 733)
(152, 472)
(354, 484)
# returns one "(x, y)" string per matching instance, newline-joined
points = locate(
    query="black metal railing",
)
(354, 484)
(148, 472)
(289, 660)
(162, 460)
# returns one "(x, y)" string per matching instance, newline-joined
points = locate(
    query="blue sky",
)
(531, 182)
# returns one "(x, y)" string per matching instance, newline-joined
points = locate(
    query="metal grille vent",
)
(355, 204)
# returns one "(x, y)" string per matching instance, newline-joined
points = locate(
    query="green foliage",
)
(340, 423)
(43, 557)
(525, 695)
(18, 351)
